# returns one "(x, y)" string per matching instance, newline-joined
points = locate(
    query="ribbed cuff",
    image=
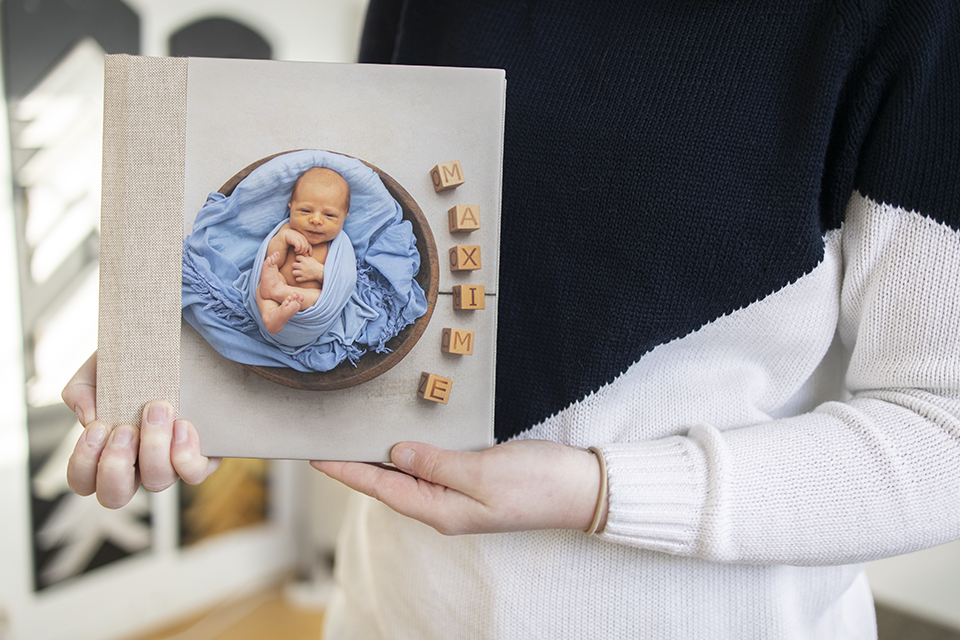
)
(657, 494)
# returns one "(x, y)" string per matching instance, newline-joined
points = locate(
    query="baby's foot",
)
(277, 318)
(272, 283)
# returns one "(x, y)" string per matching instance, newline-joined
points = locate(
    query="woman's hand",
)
(517, 486)
(113, 462)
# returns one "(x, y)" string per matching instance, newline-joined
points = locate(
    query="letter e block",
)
(464, 217)
(465, 257)
(459, 341)
(448, 175)
(468, 297)
(434, 388)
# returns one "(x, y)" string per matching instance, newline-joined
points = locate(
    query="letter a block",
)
(464, 257)
(464, 217)
(459, 341)
(448, 175)
(434, 388)
(468, 297)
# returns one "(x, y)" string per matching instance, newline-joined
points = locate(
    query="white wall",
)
(925, 584)
(15, 570)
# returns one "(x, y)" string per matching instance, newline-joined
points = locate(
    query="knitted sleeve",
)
(878, 473)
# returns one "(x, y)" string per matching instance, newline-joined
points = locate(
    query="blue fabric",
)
(326, 318)
(371, 297)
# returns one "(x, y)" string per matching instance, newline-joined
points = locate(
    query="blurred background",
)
(202, 558)
(168, 556)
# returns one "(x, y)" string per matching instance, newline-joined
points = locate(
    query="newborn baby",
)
(279, 250)
(292, 275)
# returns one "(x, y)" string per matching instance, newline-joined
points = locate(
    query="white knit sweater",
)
(758, 458)
(746, 488)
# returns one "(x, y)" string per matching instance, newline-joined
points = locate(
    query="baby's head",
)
(319, 204)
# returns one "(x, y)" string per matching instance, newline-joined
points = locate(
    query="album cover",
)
(302, 257)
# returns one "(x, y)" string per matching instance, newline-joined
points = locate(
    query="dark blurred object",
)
(219, 38)
(38, 33)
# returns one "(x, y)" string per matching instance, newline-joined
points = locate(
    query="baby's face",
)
(318, 209)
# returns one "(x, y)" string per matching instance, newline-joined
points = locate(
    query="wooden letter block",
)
(465, 257)
(448, 175)
(464, 217)
(434, 388)
(468, 297)
(459, 341)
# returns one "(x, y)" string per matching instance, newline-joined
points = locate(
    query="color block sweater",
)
(731, 259)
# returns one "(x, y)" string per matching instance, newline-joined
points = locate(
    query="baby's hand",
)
(301, 246)
(307, 269)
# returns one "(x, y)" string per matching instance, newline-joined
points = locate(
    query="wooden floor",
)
(263, 616)
(270, 615)
(893, 625)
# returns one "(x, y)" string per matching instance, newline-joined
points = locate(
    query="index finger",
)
(82, 466)
(446, 510)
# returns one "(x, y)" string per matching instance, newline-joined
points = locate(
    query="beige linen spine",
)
(144, 135)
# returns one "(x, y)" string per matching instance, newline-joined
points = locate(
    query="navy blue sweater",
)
(657, 177)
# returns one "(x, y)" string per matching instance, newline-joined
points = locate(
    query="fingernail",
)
(123, 435)
(403, 458)
(179, 431)
(96, 435)
(157, 413)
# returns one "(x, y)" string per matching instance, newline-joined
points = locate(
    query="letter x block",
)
(434, 388)
(448, 175)
(459, 341)
(464, 257)
(468, 297)
(464, 217)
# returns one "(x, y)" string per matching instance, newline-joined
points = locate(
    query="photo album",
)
(301, 257)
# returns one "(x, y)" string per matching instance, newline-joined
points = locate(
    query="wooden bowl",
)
(371, 364)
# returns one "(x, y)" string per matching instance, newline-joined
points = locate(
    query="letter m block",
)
(459, 341)
(448, 175)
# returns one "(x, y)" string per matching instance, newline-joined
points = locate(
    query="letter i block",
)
(468, 297)
(434, 388)
(464, 217)
(465, 257)
(459, 341)
(448, 175)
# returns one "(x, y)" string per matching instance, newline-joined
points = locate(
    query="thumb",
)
(80, 394)
(433, 464)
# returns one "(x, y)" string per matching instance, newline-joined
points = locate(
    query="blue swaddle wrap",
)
(372, 296)
(325, 318)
